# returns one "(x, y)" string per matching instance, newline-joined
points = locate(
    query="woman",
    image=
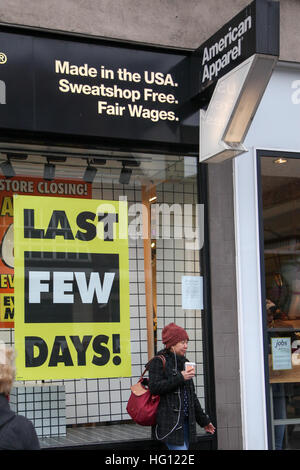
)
(16, 432)
(179, 408)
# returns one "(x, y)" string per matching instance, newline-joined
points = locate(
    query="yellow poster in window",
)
(71, 288)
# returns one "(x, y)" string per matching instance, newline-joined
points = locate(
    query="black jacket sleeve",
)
(25, 434)
(19, 434)
(31, 441)
(201, 418)
(161, 382)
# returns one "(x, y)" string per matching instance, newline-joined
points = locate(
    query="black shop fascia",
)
(58, 88)
(62, 89)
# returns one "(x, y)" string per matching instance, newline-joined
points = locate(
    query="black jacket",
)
(169, 383)
(16, 431)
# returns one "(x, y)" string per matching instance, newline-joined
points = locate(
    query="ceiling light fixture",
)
(90, 173)
(49, 171)
(127, 172)
(280, 161)
(7, 169)
(125, 175)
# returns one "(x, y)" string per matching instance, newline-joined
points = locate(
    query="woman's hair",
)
(7, 369)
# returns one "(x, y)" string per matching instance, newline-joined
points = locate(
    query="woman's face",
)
(180, 348)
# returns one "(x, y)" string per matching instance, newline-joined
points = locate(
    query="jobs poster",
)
(71, 288)
(32, 186)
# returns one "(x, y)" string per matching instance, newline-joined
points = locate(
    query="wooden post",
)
(148, 193)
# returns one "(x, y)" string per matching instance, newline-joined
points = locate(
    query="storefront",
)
(102, 230)
(229, 138)
(100, 143)
(266, 198)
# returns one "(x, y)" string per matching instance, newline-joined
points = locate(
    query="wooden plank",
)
(148, 193)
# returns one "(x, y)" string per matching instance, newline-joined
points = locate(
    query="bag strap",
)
(147, 366)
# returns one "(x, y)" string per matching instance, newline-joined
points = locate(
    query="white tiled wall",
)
(105, 400)
(44, 405)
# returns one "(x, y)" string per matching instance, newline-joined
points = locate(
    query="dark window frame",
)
(271, 154)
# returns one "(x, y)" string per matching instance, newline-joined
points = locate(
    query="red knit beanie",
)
(172, 334)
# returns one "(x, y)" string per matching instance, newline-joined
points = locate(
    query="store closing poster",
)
(30, 186)
(71, 288)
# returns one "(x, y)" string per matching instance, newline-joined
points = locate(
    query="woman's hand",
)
(210, 428)
(188, 374)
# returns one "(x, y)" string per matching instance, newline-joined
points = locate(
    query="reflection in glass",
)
(169, 253)
(280, 179)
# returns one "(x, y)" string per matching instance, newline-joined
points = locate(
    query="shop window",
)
(280, 183)
(164, 246)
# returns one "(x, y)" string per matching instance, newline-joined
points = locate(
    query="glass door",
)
(280, 190)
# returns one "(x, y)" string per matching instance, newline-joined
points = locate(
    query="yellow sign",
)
(6, 307)
(71, 288)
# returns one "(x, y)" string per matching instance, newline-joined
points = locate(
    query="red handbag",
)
(142, 405)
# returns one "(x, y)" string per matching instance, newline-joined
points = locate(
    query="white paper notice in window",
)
(192, 292)
(281, 353)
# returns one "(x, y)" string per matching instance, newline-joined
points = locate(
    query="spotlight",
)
(49, 171)
(89, 174)
(125, 175)
(280, 161)
(7, 169)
